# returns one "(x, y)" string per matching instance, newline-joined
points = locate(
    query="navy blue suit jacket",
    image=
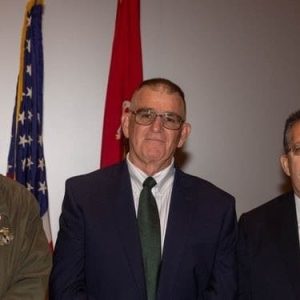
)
(98, 253)
(268, 251)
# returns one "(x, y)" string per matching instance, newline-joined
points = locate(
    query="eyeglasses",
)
(295, 149)
(146, 117)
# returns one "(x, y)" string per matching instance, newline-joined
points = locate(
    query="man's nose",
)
(157, 124)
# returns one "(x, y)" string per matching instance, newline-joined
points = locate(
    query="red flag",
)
(124, 77)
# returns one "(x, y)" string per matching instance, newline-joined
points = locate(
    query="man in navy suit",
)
(268, 247)
(99, 252)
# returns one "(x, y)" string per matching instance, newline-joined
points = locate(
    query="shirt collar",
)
(161, 177)
(297, 201)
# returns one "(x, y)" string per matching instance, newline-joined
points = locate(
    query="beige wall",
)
(237, 61)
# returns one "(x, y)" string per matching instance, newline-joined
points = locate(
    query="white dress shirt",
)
(297, 200)
(161, 191)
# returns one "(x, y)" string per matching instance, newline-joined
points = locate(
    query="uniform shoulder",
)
(12, 194)
(7, 184)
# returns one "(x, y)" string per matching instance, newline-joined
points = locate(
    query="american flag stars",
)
(28, 93)
(28, 70)
(26, 162)
(26, 158)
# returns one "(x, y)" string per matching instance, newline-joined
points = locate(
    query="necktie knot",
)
(149, 182)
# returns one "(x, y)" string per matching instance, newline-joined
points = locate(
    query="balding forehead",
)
(162, 88)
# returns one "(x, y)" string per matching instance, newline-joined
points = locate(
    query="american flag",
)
(26, 162)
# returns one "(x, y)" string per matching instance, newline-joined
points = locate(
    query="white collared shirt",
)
(297, 201)
(161, 191)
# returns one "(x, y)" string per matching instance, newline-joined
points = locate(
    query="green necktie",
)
(149, 227)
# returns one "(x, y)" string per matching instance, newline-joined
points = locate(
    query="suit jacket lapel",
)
(288, 241)
(125, 217)
(176, 235)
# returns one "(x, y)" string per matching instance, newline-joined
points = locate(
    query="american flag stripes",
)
(26, 162)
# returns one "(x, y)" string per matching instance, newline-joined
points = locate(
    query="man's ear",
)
(185, 132)
(125, 118)
(284, 160)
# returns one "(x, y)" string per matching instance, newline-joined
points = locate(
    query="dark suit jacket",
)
(268, 251)
(98, 253)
